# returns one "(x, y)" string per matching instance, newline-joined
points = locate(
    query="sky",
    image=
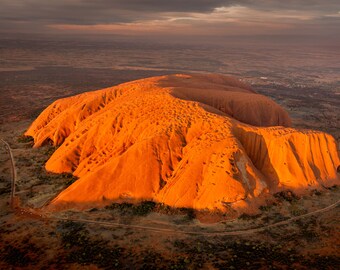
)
(205, 18)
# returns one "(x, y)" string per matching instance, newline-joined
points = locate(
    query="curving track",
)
(13, 171)
(35, 214)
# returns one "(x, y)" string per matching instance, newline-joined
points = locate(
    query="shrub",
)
(143, 208)
(25, 139)
(287, 195)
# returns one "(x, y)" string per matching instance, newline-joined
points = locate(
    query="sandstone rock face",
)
(175, 139)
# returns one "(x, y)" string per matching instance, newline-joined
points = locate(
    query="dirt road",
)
(37, 213)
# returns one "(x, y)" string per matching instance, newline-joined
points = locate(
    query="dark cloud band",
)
(89, 12)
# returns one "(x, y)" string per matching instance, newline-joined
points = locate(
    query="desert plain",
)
(287, 230)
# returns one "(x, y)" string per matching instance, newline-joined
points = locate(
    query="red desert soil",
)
(200, 141)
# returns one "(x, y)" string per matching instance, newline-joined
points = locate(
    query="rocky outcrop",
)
(174, 139)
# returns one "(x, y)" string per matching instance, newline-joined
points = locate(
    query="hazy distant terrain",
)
(305, 79)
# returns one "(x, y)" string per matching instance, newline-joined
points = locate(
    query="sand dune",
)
(184, 140)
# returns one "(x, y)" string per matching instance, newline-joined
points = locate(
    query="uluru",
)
(201, 141)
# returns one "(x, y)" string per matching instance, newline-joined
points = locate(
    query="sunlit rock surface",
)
(201, 141)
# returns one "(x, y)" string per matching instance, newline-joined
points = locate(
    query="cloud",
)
(131, 16)
(162, 5)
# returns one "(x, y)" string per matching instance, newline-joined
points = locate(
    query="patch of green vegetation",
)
(163, 209)
(274, 217)
(45, 177)
(287, 195)
(69, 178)
(24, 161)
(23, 256)
(16, 257)
(181, 263)
(123, 208)
(297, 210)
(98, 253)
(236, 253)
(83, 250)
(189, 212)
(265, 207)
(141, 209)
(180, 244)
(334, 187)
(50, 150)
(308, 229)
(144, 208)
(245, 216)
(315, 192)
(151, 259)
(6, 188)
(73, 233)
(25, 139)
